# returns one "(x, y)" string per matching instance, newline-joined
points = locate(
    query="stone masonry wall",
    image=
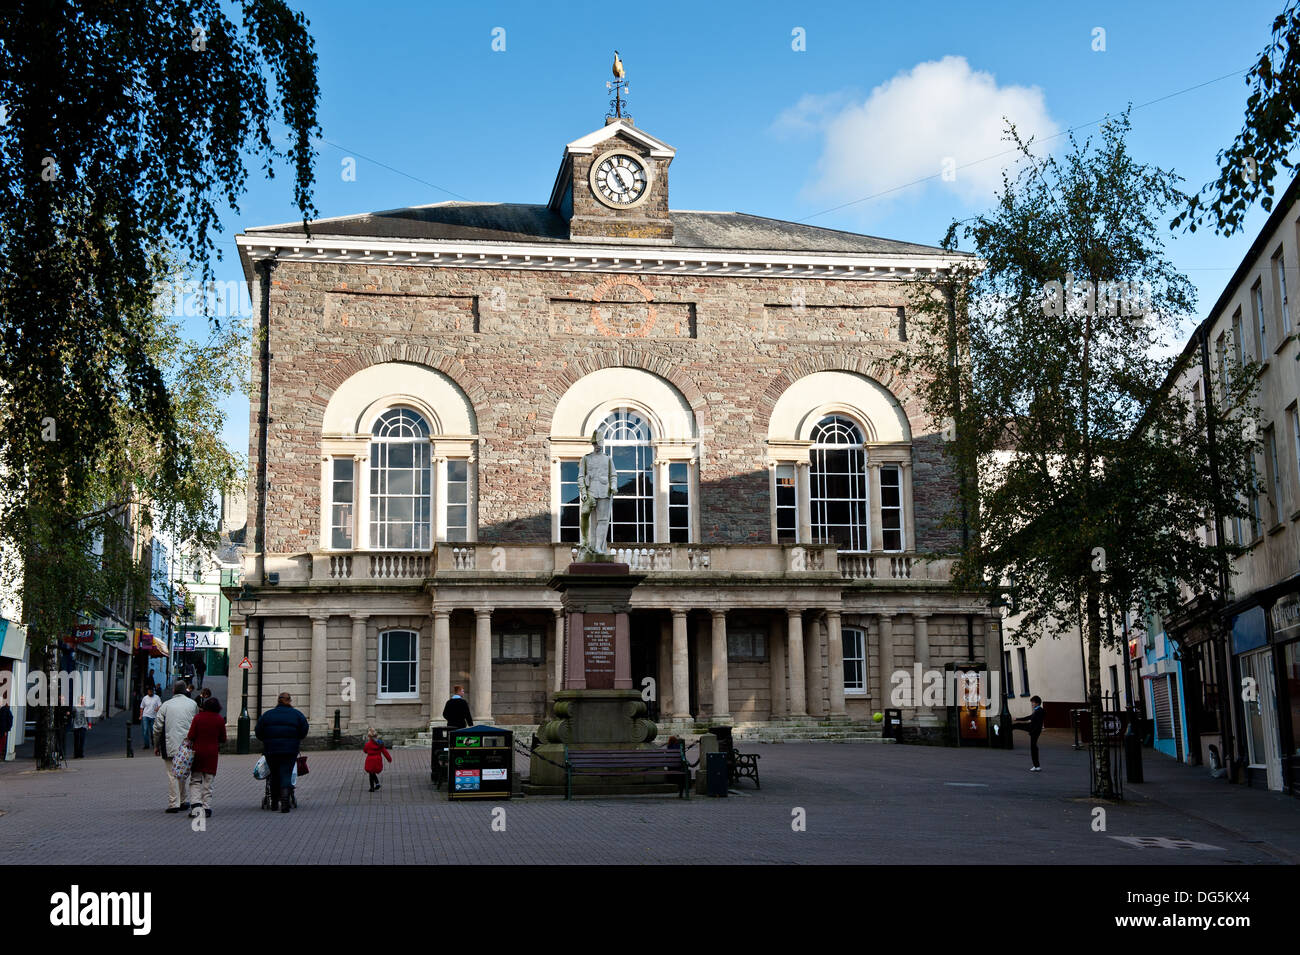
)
(730, 361)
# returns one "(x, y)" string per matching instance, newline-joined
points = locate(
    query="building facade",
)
(431, 376)
(1240, 657)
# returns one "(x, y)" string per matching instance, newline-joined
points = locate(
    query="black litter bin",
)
(716, 774)
(438, 755)
(893, 722)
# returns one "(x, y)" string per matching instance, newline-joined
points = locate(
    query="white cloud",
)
(909, 127)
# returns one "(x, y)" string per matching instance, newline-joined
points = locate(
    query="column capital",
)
(886, 614)
(794, 612)
(832, 613)
(360, 617)
(558, 612)
(441, 612)
(717, 612)
(319, 616)
(677, 613)
(481, 612)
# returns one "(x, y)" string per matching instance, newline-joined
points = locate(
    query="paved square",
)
(862, 804)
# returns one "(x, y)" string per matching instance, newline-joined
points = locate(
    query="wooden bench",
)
(669, 763)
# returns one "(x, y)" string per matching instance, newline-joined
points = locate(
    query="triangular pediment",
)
(587, 144)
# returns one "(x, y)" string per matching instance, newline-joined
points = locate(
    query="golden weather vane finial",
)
(619, 86)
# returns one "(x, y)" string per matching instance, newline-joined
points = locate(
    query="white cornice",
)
(567, 257)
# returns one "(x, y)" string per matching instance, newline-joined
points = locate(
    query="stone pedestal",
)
(597, 707)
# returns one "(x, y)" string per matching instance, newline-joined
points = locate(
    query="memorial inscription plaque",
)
(598, 650)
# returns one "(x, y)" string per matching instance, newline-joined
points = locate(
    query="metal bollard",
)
(338, 732)
(130, 752)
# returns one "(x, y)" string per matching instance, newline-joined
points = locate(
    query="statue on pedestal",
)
(597, 480)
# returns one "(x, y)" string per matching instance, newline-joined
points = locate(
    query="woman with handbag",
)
(207, 733)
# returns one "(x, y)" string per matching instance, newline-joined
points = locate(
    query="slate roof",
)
(520, 222)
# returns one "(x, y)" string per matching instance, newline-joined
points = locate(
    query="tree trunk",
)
(51, 713)
(1103, 785)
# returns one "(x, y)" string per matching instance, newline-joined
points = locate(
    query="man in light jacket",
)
(171, 727)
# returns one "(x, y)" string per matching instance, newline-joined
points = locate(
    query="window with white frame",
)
(891, 507)
(679, 502)
(343, 487)
(787, 505)
(627, 441)
(1238, 346)
(399, 665)
(1273, 474)
(1294, 418)
(1279, 289)
(1261, 327)
(457, 500)
(400, 482)
(570, 529)
(1007, 673)
(1024, 670)
(838, 496)
(855, 659)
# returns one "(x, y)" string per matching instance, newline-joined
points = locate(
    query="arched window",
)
(838, 495)
(627, 440)
(400, 482)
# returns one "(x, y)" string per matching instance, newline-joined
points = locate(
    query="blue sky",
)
(879, 97)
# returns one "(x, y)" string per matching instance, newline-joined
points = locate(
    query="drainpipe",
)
(265, 266)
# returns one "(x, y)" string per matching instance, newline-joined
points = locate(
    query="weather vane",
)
(619, 87)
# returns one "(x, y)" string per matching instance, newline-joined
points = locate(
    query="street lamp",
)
(245, 605)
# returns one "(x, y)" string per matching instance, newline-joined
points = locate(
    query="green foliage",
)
(1087, 477)
(127, 125)
(1264, 146)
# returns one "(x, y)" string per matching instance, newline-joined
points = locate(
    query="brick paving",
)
(864, 804)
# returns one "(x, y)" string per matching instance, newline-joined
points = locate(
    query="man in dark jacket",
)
(6, 724)
(456, 712)
(281, 730)
(1033, 725)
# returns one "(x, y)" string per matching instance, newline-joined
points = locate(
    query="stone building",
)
(431, 376)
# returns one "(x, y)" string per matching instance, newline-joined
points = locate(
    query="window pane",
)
(456, 493)
(457, 516)
(677, 472)
(457, 470)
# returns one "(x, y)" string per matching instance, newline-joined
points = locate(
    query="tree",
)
(1086, 475)
(124, 125)
(1264, 146)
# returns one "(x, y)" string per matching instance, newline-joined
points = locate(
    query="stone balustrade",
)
(482, 558)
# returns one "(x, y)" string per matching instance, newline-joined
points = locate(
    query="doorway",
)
(1261, 716)
(644, 652)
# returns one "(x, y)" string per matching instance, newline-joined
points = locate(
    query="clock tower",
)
(613, 186)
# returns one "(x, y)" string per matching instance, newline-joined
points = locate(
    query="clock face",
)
(620, 179)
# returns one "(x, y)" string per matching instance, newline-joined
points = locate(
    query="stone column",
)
(681, 668)
(316, 695)
(440, 666)
(481, 702)
(794, 654)
(664, 670)
(803, 495)
(835, 663)
(921, 639)
(721, 690)
(557, 651)
(776, 667)
(886, 657)
(812, 668)
(360, 680)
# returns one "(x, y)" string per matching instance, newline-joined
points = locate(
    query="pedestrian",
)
(80, 723)
(376, 752)
(456, 712)
(200, 669)
(6, 724)
(281, 729)
(207, 733)
(1033, 725)
(204, 695)
(187, 672)
(170, 728)
(148, 710)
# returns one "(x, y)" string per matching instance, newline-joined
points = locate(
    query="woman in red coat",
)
(376, 753)
(207, 733)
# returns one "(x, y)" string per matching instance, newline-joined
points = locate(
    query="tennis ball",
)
(878, 717)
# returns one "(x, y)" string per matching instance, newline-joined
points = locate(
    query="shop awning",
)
(146, 642)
